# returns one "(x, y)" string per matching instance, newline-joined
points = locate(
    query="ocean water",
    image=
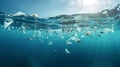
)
(60, 42)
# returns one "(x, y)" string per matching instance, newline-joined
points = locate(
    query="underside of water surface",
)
(76, 40)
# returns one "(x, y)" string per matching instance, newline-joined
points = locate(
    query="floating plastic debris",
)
(82, 36)
(50, 43)
(78, 29)
(8, 22)
(62, 37)
(67, 51)
(107, 30)
(30, 38)
(65, 26)
(68, 42)
(88, 33)
(23, 29)
(76, 34)
(77, 40)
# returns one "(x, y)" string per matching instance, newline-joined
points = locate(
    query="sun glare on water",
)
(89, 2)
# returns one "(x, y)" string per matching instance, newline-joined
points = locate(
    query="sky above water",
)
(47, 8)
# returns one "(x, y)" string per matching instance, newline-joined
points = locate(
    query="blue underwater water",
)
(61, 41)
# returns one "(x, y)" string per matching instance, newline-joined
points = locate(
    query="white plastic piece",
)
(77, 40)
(82, 36)
(67, 51)
(8, 22)
(107, 30)
(78, 29)
(23, 29)
(68, 43)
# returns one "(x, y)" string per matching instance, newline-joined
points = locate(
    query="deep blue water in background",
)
(17, 51)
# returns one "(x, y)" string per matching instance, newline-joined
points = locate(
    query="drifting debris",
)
(77, 40)
(30, 38)
(78, 29)
(82, 36)
(67, 51)
(68, 43)
(23, 29)
(9, 28)
(8, 22)
(107, 30)
(50, 43)
(88, 33)
(62, 37)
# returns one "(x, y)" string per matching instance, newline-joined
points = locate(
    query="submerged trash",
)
(30, 38)
(107, 30)
(55, 51)
(82, 36)
(23, 29)
(68, 43)
(88, 33)
(77, 40)
(62, 37)
(63, 26)
(8, 22)
(50, 43)
(67, 51)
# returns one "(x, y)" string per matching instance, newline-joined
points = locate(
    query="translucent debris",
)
(77, 40)
(76, 34)
(95, 27)
(67, 51)
(68, 43)
(37, 34)
(82, 36)
(62, 37)
(23, 29)
(30, 38)
(78, 29)
(8, 22)
(107, 30)
(9, 28)
(50, 43)
(88, 33)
